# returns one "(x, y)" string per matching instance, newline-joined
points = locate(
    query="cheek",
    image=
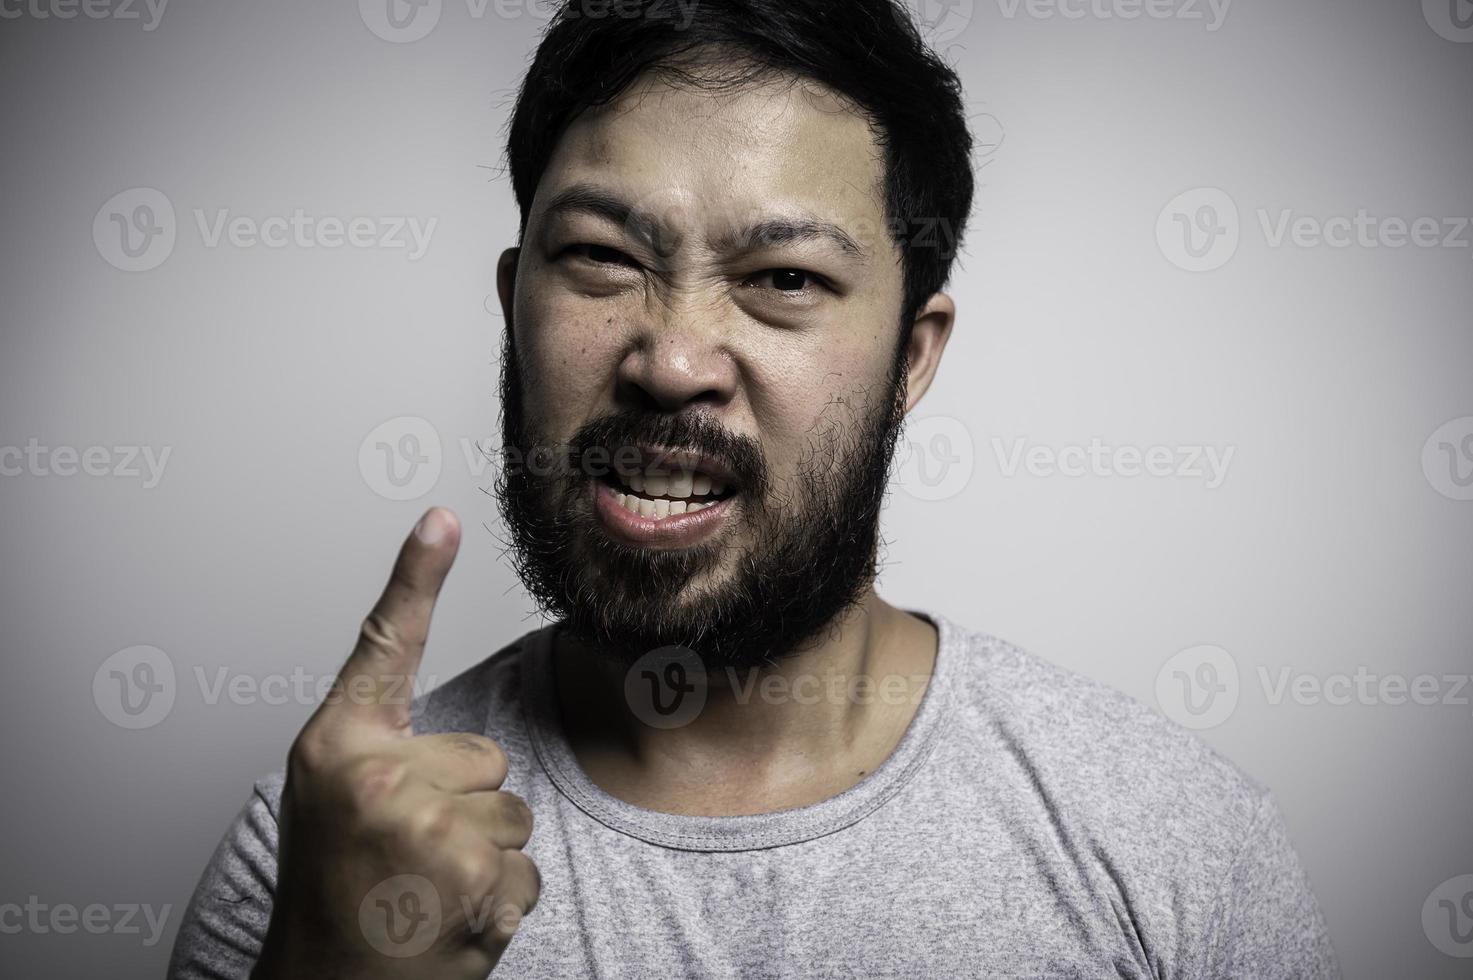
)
(569, 354)
(808, 404)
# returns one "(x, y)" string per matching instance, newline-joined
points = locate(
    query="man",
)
(740, 760)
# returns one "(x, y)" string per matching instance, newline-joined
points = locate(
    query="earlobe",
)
(928, 337)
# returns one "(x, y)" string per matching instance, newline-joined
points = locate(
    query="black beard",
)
(812, 557)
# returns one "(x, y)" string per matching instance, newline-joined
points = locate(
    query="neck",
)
(765, 739)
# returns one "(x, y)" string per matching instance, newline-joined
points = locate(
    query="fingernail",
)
(432, 527)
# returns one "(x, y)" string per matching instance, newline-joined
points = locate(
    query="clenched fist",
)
(399, 856)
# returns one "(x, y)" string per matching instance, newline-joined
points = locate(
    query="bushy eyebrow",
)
(781, 231)
(592, 200)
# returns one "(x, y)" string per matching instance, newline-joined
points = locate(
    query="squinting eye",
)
(785, 280)
(601, 254)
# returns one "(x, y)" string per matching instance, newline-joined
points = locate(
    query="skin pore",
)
(726, 252)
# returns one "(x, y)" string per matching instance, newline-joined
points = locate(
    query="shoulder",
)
(1116, 771)
(1136, 810)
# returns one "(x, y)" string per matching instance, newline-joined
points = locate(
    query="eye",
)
(785, 280)
(599, 254)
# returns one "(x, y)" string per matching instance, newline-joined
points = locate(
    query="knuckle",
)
(309, 752)
(496, 762)
(519, 814)
(372, 779)
(471, 743)
(430, 824)
(380, 633)
(477, 873)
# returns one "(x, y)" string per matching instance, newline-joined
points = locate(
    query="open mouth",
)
(659, 490)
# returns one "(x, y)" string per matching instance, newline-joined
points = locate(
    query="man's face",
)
(704, 330)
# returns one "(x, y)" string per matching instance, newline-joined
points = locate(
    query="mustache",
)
(693, 432)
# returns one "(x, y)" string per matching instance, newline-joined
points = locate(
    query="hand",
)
(399, 856)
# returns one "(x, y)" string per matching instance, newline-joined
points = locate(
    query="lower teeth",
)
(657, 509)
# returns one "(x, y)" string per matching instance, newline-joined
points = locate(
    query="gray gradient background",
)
(1326, 548)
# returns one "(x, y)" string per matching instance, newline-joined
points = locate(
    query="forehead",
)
(724, 155)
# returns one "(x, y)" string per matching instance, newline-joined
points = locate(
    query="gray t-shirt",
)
(1031, 823)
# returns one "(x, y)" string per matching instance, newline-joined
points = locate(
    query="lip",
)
(676, 531)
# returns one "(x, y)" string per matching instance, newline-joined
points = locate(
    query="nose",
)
(676, 360)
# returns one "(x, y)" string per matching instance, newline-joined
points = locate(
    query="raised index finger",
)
(376, 683)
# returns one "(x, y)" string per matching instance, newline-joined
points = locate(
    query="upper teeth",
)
(680, 484)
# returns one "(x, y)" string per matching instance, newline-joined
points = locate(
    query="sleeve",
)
(1267, 924)
(225, 923)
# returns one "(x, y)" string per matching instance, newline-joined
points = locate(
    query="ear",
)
(928, 336)
(506, 282)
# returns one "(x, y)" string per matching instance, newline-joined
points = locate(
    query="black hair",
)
(867, 51)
